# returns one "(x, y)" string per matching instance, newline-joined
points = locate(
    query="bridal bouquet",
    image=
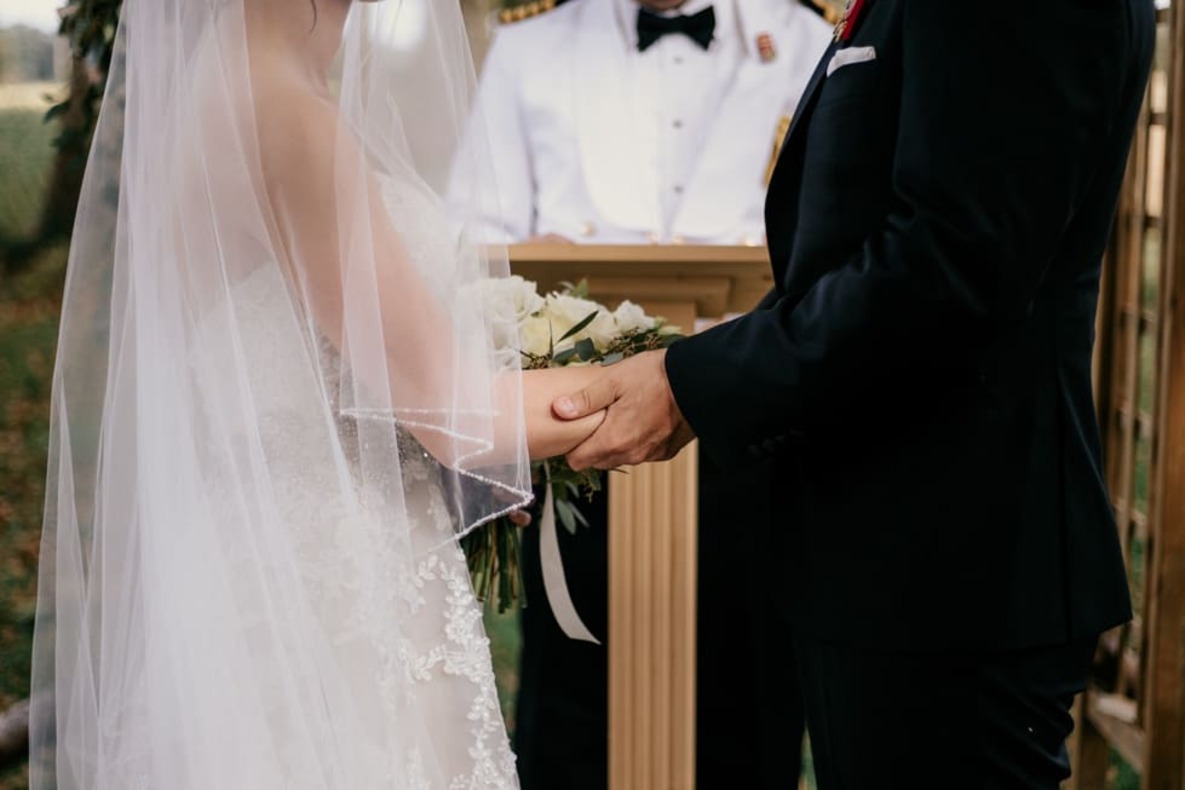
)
(559, 329)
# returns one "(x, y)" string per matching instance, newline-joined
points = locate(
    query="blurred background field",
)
(29, 303)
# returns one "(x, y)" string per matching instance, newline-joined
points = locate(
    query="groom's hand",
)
(642, 422)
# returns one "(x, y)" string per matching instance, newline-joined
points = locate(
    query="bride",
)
(278, 402)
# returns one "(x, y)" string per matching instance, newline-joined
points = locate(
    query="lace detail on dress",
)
(464, 656)
(405, 668)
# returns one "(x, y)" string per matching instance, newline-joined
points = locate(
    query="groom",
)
(922, 380)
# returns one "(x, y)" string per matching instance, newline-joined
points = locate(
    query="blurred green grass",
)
(29, 305)
(505, 643)
(26, 154)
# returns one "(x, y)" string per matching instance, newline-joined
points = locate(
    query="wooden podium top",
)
(717, 279)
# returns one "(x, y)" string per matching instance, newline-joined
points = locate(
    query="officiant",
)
(650, 122)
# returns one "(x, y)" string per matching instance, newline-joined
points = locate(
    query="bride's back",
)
(249, 574)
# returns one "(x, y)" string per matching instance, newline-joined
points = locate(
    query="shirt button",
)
(678, 60)
(678, 124)
(678, 190)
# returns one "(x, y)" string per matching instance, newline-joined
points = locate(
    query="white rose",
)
(565, 312)
(506, 302)
(534, 335)
(512, 299)
(629, 317)
(602, 331)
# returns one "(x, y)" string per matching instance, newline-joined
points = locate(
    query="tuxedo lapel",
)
(781, 203)
(807, 103)
(778, 204)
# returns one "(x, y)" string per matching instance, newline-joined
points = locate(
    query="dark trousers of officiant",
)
(750, 721)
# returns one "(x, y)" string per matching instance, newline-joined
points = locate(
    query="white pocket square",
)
(850, 55)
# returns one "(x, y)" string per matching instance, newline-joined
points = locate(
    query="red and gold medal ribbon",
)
(847, 23)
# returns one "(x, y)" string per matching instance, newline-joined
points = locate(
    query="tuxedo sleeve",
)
(1002, 119)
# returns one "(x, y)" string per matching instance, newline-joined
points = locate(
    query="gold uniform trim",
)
(525, 11)
(779, 139)
(831, 15)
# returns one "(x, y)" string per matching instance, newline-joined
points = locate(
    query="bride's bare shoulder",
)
(298, 130)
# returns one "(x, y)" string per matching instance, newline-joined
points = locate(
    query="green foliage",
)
(89, 26)
(29, 306)
(26, 154)
(1122, 776)
(492, 552)
(505, 647)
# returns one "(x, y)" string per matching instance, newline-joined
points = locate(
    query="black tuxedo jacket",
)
(936, 224)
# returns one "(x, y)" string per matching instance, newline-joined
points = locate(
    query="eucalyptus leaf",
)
(567, 515)
(586, 350)
(588, 319)
(564, 357)
(580, 519)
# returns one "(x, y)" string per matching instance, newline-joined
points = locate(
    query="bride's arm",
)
(547, 436)
(342, 250)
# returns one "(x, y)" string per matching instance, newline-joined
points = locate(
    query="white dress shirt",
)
(683, 84)
(598, 142)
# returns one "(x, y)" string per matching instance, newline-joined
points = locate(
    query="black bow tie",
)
(698, 27)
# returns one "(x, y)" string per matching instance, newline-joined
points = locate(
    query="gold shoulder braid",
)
(779, 139)
(525, 11)
(831, 15)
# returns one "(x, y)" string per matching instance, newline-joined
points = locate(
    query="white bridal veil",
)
(276, 404)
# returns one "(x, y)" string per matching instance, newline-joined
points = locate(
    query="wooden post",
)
(652, 625)
(653, 538)
(1090, 754)
(1164, 716)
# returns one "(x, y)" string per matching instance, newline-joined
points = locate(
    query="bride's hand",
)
(547, 436)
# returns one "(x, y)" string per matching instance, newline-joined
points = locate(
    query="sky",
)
(41, 14)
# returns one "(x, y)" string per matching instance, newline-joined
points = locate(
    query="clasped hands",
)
(642, 421)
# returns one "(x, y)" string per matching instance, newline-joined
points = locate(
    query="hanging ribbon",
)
(555, 585)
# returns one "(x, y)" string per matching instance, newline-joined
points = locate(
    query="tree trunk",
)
(14, 734)
(65, 183)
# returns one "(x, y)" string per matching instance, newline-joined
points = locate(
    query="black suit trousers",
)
(975, 720)
(562, 709)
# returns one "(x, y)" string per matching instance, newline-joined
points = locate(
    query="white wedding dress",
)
(250, 570)
(400, 629)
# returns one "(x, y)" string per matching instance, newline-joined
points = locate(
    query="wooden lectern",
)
(653, 508)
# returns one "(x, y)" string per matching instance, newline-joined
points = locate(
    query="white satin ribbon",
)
(555, 585)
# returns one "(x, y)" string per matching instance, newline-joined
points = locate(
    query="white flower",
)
(629, 318)
(534, 336)
(602, 331)
(512, 299)
(565, 312)
(506, 303)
